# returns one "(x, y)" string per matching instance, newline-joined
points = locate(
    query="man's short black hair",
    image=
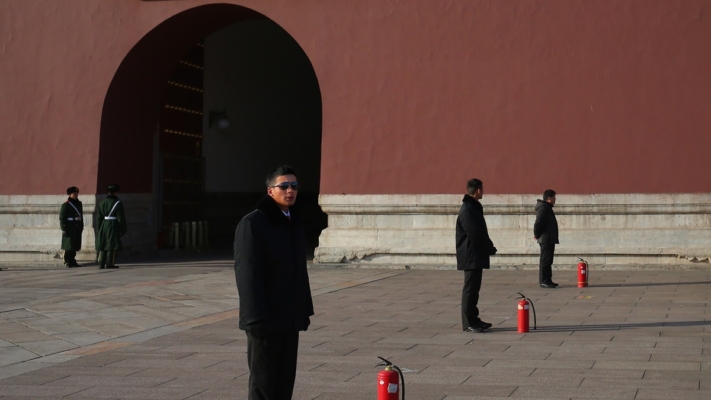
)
(473, 185)
(277, 172)
(113, 188)
(548, 194)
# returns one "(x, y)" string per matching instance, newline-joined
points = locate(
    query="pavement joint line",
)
(354, 283)
(96, 348)
(153, 333)
(116, 289)
(664, 311)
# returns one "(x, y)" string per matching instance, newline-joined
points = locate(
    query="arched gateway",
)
(197, 113)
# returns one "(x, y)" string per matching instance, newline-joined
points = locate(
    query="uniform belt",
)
(111, 218)
(73, 219)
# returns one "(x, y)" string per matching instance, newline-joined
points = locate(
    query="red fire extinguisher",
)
(583, 273)
(523, 306)
(388, 382)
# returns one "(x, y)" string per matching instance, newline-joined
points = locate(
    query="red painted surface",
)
(418, 95)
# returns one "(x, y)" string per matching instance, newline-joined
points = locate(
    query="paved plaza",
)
(168, 330)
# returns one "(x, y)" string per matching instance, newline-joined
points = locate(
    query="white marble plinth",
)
(29, 226)
(611, 229)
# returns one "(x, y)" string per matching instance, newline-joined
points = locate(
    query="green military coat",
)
(110, 224)
(71, 220)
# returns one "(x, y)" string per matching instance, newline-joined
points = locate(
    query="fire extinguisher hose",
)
(387, 363)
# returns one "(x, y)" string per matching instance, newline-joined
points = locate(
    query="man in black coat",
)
(473, 250)
(273, 284)
(545, 231)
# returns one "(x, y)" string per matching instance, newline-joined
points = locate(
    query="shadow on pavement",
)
(606, 327)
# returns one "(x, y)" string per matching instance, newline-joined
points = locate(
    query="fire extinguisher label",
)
(520, 307)
(582, 272)
(392, 388)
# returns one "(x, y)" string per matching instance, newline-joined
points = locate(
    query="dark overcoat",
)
(71, 220)
(546, 226)
(472, 236)
(110, 225)
(270, 269)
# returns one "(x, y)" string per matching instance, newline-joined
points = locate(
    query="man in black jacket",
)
(274, 293)
(473, 250)
(545, 231)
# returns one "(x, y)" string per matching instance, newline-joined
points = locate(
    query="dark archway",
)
(131, 117)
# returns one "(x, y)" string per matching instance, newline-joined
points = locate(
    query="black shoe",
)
(112, 267)
(554, 284)
(547, 285)
(474, 329)
(485, 325)
(102, 267)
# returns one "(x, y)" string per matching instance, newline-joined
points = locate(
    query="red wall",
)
(418, 95)
(579, 96)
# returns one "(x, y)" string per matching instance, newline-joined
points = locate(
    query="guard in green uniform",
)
(71, 220)
(110, 226)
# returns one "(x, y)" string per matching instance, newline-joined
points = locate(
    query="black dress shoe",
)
(547, 285)
(102, 267)
(112, 267)
(474, 329)
(484, 325)
(554, 284)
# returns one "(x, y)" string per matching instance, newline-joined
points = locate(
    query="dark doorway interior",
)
(258, 74)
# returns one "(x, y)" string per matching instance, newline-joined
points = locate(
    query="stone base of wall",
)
(29, 227)
(609, 229)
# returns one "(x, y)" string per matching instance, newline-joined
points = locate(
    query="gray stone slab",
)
(83, 338)
(28, 336)
(12, 327)
(672, 394)
(47, 347)
(18, 314)
(152, 333)
(13, 355)
(556, 364)
(665, 366)
(686, 384)
(573, 393)
(17, 369)
(110, 381)
(111, 392)
(61, 328)
(38, 391)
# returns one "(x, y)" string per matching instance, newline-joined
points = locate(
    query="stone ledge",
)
(607, 229)
(503, 204)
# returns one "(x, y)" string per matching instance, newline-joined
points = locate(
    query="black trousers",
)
(70, 257)
(272, 365)
(545, 270)
(470, 297)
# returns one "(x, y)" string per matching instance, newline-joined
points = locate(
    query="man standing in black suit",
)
(473, 250)
(545, 231)
(273, 284)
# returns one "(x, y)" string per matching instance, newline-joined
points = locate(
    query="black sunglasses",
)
(285, 185)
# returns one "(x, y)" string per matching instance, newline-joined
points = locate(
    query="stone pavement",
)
(169, 331)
